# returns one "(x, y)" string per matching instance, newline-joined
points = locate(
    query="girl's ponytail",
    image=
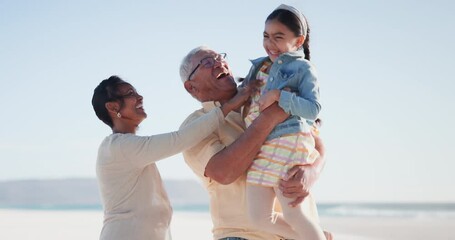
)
(306, 45)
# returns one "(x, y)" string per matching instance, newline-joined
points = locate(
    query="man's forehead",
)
(204, 53)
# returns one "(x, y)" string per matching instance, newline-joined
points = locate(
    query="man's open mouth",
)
(221, 75)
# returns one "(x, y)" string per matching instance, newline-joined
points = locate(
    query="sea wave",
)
(446, 211)
(397, 210)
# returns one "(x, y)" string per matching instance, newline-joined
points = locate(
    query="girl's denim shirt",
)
(293, 71)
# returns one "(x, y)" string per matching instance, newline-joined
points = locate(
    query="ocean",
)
(398, 210)
(393, 210)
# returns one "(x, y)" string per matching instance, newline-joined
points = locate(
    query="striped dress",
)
(280, 154)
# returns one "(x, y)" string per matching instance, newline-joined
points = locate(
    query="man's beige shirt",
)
(227, 202)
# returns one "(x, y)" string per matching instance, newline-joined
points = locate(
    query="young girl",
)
(290, 80)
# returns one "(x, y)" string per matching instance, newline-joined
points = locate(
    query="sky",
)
(384, 69)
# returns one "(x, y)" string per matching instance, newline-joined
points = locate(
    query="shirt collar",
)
(289, 56)
(209, 105)
(295, 54)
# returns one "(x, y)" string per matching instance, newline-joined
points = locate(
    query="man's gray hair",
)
(186, 67)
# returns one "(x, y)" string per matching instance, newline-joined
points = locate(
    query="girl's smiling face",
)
(279, 39)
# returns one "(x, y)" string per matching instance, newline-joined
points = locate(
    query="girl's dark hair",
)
(105, 92)
(291, 21)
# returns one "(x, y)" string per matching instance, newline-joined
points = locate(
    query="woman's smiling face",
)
(131, 106)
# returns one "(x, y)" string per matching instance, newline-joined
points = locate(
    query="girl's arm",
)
(304, 103)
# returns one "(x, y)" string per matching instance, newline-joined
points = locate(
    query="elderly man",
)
(222, 159)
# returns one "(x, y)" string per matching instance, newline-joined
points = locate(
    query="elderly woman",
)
(135, 203)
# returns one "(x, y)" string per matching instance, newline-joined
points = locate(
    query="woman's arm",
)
(144, 150)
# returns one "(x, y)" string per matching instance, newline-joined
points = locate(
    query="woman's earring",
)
(119, 115)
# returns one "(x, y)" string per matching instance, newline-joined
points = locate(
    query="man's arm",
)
(231, 162)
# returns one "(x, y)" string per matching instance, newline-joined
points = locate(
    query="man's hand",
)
(292, 186)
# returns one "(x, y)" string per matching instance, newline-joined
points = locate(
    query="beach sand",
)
(389, 228)
(77, 225)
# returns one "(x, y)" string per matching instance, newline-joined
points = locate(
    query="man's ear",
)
(189, 87)
(112, 107)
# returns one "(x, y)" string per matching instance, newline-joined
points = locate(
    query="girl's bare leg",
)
(260, 201)
(305, 227)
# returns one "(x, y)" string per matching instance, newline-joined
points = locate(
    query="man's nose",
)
(218, 63)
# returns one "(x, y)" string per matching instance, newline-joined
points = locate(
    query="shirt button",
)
(280, 61)
(271, 79)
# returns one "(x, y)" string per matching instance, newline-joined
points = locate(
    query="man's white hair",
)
(186, 67)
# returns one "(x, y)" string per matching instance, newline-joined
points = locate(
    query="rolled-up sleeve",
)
(304, 103)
